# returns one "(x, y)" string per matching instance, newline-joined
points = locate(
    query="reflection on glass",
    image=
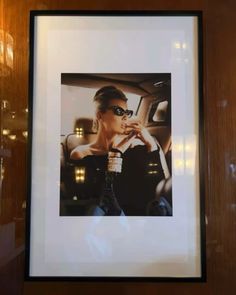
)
(25, 134)
(13, 131)
(6, 53)
(5, 132)
(180, 52)
(12, 137)
(177, 45)
(184, 152)
(190, 154)
(178, 155)
(232, 168)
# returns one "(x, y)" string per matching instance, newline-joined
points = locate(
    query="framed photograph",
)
(116, 178)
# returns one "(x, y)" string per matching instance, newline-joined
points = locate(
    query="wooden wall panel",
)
(219, 49)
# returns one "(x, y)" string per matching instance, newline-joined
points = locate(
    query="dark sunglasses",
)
(120, 112)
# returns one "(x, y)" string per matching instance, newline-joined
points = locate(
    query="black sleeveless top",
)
(134, 187)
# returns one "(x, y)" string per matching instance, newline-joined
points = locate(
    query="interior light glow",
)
(5, 132)
(79, 174)
(12, 137)
(79, 131)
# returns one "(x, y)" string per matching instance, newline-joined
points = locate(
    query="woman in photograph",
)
(131, 147)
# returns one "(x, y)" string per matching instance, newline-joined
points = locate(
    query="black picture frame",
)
(33, 119)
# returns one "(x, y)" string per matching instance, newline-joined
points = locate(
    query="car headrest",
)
(86, 124)
(83, 133)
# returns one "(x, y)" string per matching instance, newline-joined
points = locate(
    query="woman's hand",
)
(134, 129)
(142, 134)
(122, 144)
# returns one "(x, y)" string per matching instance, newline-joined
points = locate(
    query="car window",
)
(158, 112)
(133, 101)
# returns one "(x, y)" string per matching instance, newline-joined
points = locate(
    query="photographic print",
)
(116, 145)
(116, 181)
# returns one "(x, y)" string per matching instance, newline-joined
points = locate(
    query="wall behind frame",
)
(220, 158)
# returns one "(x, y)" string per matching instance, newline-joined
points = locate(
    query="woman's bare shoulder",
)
(80, 152)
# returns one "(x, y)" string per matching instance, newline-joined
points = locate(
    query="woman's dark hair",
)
(105, 94)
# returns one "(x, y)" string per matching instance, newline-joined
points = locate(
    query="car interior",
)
(152, 93)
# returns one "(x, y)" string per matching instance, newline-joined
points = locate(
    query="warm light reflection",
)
(177, 45)
(9, 50)
(13, 115)
(188, 147)
(12, 137)
(188, 163)
(5, 105)
(6, 53)
(190, 154)
(180, 53)
(184, 154)
(23, 206)
(2, 171)
(178, 156)
(179, 165)
(5, 132)
(179, 147)
(25, 134)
